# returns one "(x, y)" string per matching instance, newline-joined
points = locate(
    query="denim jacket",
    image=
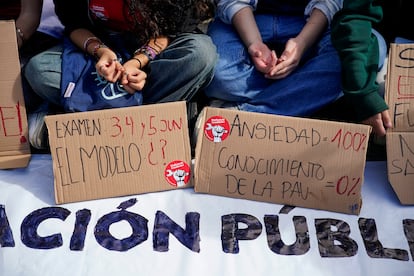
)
(226, 9)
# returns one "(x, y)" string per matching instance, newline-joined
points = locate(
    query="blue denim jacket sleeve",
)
(226, 9)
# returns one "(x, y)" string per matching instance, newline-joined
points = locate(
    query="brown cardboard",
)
(400, 163)
(117, 152)
(285, 160)
(399, 95)
(399, 92)
(14, 142)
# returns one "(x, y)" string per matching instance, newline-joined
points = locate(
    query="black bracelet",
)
(137, 59)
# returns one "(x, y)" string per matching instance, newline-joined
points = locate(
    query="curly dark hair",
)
(153, 18)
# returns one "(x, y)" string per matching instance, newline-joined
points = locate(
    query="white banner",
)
(184, 233)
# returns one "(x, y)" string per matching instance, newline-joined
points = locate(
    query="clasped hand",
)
(272, 66)
(129, 76)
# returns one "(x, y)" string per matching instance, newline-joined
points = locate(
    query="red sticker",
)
(217, 129)
(177, 173)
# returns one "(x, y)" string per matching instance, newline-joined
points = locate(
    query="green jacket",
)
(358, 51)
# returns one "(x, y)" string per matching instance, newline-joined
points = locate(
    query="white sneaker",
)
(38, 130)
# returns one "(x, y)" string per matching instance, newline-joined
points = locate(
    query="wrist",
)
(143, 59)
(147, 51)
(139, 63)
(98, 49)
(92, 46)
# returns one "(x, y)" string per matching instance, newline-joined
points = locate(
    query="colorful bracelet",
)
(148, 51)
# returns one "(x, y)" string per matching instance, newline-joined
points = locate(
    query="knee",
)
(34, 74)
(37, 68)
(30, 70)
(43, 73)
(204, 54)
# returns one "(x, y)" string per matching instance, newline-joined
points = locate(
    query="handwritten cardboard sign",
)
(118, 152)
(400, 86)
(14, 142)
(400, 139)
(285, 160)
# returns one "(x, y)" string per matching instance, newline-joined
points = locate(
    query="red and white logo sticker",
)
(217, 129)
(177, 173)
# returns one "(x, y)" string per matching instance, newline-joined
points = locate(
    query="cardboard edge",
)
(395, 186)
(11, 159)
(199, 142)
(387, 78)
(16, 161)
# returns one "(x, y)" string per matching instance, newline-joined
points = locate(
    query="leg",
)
(233, 67)
(301, 93)
(314, 84)
(181, 70)
(236, 80)
(43, 73)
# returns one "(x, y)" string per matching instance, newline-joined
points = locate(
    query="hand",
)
(108, 66)
(133, 79)
(380, 123)
(263, 58)
(288, 61)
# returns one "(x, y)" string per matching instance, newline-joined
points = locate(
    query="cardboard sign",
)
(14, 142)
(400, 139)
(122, 151)
(286, 160)
(400, 87)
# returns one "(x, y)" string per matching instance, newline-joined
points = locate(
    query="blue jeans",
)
(382, 48)
(178, 73)
(315, 83)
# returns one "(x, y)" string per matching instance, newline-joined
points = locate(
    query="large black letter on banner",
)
(373, 246)
(164, 225)
(138, 224)
(231, 234)
(330, 230)
(77, 241)
(6, 234)
(274, 240)
(409, 234)
(30, 224)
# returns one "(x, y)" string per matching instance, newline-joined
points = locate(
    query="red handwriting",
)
(151, 126)
(349, 140)
(405, 87)
(12, 122)
(347, 185)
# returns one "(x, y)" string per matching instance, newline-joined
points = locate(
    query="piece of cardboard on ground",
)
(14, 142)
(117, 152)
(399, 95)
(285, 160)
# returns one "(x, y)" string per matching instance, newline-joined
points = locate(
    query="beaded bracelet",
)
(148, 51)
